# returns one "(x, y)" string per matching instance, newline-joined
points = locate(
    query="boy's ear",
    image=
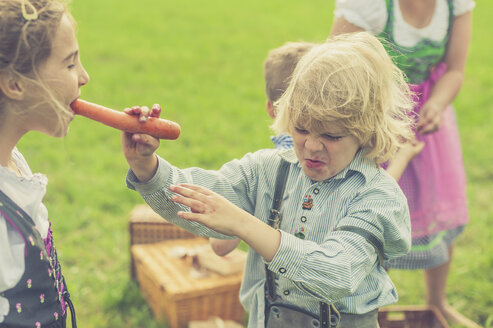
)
(270, 109)
(11, 86)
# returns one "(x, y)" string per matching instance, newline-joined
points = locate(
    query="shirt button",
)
(316, 191)
(282, 270)
(303, 219)
(286, 292)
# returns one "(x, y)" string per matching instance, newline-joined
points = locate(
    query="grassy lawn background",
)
(203, 62)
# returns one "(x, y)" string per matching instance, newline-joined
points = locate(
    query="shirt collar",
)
(360, 164)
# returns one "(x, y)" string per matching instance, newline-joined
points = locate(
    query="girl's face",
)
(323, 154)
(63, 74)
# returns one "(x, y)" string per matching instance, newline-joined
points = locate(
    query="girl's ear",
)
(11, 86)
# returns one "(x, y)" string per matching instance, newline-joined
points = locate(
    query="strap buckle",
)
(275, 218)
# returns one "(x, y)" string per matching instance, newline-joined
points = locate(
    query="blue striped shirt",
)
(282, 141)
(339, 267)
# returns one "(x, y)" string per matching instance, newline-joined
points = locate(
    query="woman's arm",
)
(358, 16)
(341, 26)
(447, 88)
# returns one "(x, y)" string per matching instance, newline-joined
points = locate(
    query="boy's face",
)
(323, 154)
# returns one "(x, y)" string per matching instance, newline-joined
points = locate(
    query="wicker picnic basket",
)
(146, 227)
(411, 316)
(176, 295)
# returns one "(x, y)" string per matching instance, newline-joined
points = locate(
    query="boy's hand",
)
(208, 208)
(143, 112)
(139, 148)
(219, 214)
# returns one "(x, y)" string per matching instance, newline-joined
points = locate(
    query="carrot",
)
(156, 127)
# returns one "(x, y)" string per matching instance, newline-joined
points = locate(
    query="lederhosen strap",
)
(274, 220)
(370, 238)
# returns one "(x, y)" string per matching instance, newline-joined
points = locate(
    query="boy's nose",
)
(313, 143)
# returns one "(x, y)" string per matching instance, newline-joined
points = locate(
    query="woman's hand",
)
(139, 148)
(430, 118)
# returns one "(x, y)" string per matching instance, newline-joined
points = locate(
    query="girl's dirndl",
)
(434, 181)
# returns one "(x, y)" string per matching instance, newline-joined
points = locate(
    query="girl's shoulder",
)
(463, 6)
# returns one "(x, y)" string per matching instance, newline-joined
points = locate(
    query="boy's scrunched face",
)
(323, 152)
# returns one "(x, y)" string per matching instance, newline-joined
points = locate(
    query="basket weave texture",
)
(146, 227)
(411, 316)
(176, 295)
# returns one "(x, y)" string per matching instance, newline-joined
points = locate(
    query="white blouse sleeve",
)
(11, 256)
(368, 15)
(12, 262)
(463, 6)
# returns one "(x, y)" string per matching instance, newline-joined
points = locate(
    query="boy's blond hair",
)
(279, 66)
(350, 80)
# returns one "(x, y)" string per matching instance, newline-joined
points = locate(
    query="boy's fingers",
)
(142, 138)
(145, 144)
(195, 205)
(144, 114)
(190, 202)
(135, 110)
(191, 191)
(188, 215)
(197, 188)
(156, 110)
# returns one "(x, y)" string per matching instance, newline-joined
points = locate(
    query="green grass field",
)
(203, 62)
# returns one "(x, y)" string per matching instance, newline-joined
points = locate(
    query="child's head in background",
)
(349, 84)
(278, 68)
(40, 69)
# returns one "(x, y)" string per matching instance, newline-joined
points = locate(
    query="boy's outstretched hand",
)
(139, 148)
(219, 214)
(208, 208)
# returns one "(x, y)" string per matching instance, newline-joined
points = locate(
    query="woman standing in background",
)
(429, 41)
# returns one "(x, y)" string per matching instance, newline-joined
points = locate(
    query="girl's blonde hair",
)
(27, 30)
(350, 80)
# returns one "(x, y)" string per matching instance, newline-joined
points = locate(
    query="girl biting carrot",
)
(40, 76)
